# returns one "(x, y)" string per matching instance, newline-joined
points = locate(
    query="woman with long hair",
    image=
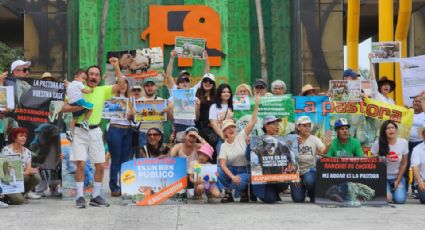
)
(206, 95)
(221, 110)
(394, 150)
(119, 139)
(155, 146)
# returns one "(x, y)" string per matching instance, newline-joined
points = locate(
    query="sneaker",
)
(80, 202)
(85, 125)
(99, 202)
(33, 196)
(3, 205)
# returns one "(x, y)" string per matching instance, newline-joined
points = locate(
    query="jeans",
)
(143, 139)
(307, 184)
(271, 192)
(180, 127)
(119, 142)
(30, 181)
(226, 182)
(218, 146)
(399, 196)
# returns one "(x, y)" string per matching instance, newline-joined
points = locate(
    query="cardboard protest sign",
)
(413, 78)
(241, 103)
(273, 159)
(205, 172)
(351, 181)
(150, 110)
(69, 168)
(151, 181)
(7, 98)
(386, 52)
(137, 65)
(116, 108)
(38, 108)
(184, 104)
(190, 47)
(11, 175)
(343, 90)
(279, 106)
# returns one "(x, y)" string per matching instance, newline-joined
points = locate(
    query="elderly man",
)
(89, 143)
(18, 68)
(278, 88)
(344, 145)
(260, 88)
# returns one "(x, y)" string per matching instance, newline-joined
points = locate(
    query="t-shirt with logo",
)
(307, 151)
(351, 148)
(418, 158)
(394, 157)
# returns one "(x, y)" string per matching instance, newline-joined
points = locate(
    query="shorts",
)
(88, 145)
(83, 103)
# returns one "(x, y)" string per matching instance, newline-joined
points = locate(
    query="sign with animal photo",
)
(190, 47)
(241, 103)
(205, 172)
(386, 52)
(150, 110)
(137, 65)
(38, 108)
(344, 90)
(69, 169)
(11, 175)
(273, 159)
(351, 181)
(152, 181)
(116, 108)
(7, 98)
(184, 104)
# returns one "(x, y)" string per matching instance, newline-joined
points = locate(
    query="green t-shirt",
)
(97, 98)
(350, 149)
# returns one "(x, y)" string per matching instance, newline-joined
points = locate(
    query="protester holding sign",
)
(206, 95)
(31, 175)
(384, 87)
(418, 165)
(309, 148)
(394, 150)
(155, 146)
(233, 170)
(243, 90)
(344, 145)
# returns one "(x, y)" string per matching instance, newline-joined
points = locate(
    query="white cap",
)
(303, 120)
(209, 75)
(19, 63)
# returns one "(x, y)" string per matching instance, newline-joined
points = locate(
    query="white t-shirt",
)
(418, 122)
(73, 91)
(234, 153)
(379, 96)
(307, 151)
(219, 114)
(25, 156)
(418, 158)
(394, 157)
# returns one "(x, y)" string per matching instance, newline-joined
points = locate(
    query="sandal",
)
(228, 197)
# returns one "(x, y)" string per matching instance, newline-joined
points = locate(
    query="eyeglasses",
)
(24, 70)
(153, 134)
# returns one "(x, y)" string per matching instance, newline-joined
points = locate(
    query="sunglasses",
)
(136, 90)
(153, 134)
(23, 70)
(208, 81)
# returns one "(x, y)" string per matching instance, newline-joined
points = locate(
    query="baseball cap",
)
(209, 76)
(269, 119)
(184, 72)
(303, 120)
(350, 73)
(228, 123)
(46, 75)
(147, 80)
(260, 82)
(19, 63)
(183, 78)
(137, 87)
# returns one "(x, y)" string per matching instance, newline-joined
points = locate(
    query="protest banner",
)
(413, 78)
(344, 90)
(150, 110)
(38, 108)
(279, 106)
(11, 175)
(190, 47)
(241, 103)
(116, 108)
(312, 106)
(273, 159)
(351, 181)
(152, 181)
(7, 98)
(184, 104)
(205, 172)
(386, 52)
(137, 65)
(69, 168)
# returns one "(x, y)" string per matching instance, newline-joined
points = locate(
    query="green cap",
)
(149, 79)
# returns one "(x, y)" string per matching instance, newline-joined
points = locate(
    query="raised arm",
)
(372, 68)
(170, 80)
(207, 62)
(253, 120)
(120, 80)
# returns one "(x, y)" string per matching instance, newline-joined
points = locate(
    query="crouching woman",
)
(31, 175)
(233, 168)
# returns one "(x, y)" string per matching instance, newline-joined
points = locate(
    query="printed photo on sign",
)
(241, 103)
(11, 175)
(184, 104)
(7, 98)
(351, 181)
(190, 47)
(150, 111)
(343, 90)
(273, 159)
(116, 108)
(152, 181)
(137, 65)
(386, 52)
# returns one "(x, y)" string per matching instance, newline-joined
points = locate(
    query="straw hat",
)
(307, 88)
